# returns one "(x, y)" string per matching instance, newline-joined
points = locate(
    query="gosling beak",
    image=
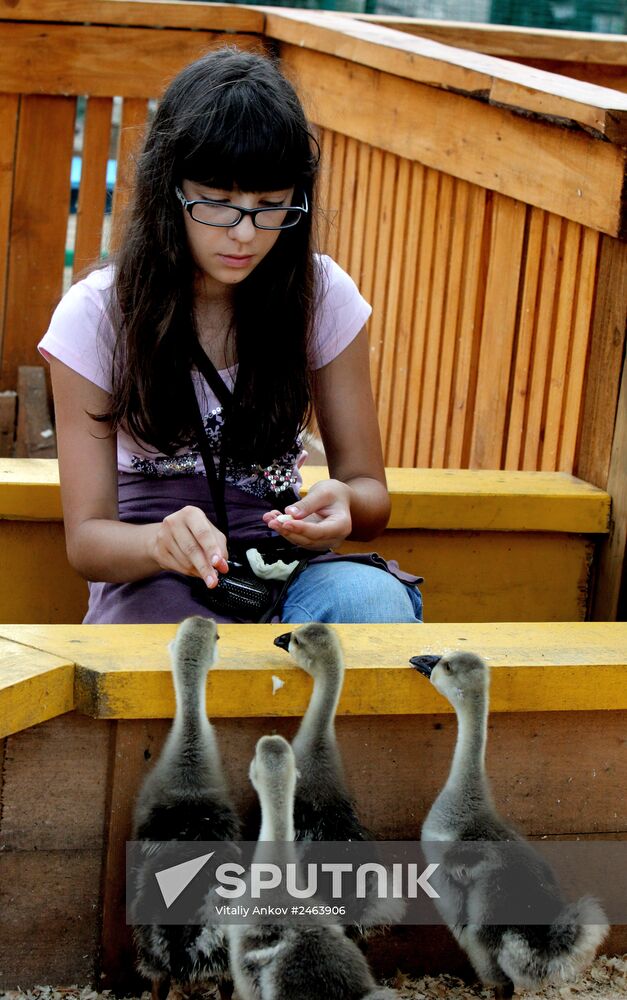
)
(424, 664)
(283, 640)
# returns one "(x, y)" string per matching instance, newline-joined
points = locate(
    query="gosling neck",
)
(277, 813)
(468, 767)
(319, 719)
(191, 724)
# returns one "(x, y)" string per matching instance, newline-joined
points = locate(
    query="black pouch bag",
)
(240, 593)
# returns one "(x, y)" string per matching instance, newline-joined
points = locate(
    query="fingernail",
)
(211, 580)
(215, 560)
(291, 510)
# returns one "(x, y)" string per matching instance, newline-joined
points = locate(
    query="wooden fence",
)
(594, 58)
(478, 203)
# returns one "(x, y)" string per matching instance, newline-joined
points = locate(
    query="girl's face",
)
(225, 256)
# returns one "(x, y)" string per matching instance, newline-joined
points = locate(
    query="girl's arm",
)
(354, 502)
(100, 546)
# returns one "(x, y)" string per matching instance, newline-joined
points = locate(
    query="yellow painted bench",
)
(123, 671)
(492, 546)
(84, 711)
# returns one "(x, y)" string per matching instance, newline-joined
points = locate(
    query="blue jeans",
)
(350, 592)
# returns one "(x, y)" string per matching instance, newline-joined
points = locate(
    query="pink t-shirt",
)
(82, 337)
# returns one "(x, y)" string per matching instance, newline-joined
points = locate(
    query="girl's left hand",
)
(321, 520)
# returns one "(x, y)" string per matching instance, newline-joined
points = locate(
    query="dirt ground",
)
(605, 980)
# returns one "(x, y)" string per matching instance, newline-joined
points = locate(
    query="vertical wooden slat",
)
(338, 148)
(369, 257)
(387, 403)
(610, 599)
(581, 339)
(545, 321)
(132, 127)
(93, 185)
(559, 372)
(607, 345)
(9, 109)
(368, 266)
(421, 317)
(41, 199)
(361, 217)
(347, 203)
(403, 392)
(131, 742)
(497, 337)
(526, 335)
(434, 344)
(8, 411)
(450, 324)
(324, 183)
(384, 262)
(34, 436)
(467, 355)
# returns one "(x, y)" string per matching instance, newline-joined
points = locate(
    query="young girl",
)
(218, 257)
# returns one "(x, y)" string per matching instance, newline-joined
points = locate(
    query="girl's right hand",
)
(187, 542)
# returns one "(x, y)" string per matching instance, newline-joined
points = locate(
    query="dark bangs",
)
(246, 138)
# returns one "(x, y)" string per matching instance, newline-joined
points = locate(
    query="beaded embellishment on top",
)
(164, 466)
(255, 479)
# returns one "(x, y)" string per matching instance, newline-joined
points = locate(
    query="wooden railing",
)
(594, 58)
(478, 203)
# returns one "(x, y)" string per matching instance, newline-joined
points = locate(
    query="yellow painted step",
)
(458, 499)
(34, 686)
(483, 500)
(122, 671)
(29, 489)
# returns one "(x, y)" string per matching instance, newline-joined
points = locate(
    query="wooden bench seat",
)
(102, 696)
(492, 546)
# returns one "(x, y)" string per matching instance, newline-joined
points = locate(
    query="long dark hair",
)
(228, 120)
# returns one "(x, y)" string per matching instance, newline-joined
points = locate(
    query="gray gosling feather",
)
(184, 798)
(313, 962)
(479, 878)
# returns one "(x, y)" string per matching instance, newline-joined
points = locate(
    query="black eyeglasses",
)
(218, 213)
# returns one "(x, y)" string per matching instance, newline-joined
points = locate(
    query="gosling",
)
(323, 808)
(275, 962)
(184, 798)
(480, 877)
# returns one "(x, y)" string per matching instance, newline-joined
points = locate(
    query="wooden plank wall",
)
(555, 774)
(50, 869)
(483, 263)
(479, 342)
(478, 236)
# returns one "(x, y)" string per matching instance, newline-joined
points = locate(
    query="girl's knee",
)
(387, 600)
(350, 592)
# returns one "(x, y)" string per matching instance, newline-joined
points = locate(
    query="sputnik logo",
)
(173, 881)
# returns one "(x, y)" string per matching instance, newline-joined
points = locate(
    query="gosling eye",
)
(295, 640)
(447, 667)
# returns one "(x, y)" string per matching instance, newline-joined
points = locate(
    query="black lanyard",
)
(215, 480)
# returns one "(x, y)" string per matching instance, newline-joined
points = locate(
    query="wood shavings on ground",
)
(605, 980)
